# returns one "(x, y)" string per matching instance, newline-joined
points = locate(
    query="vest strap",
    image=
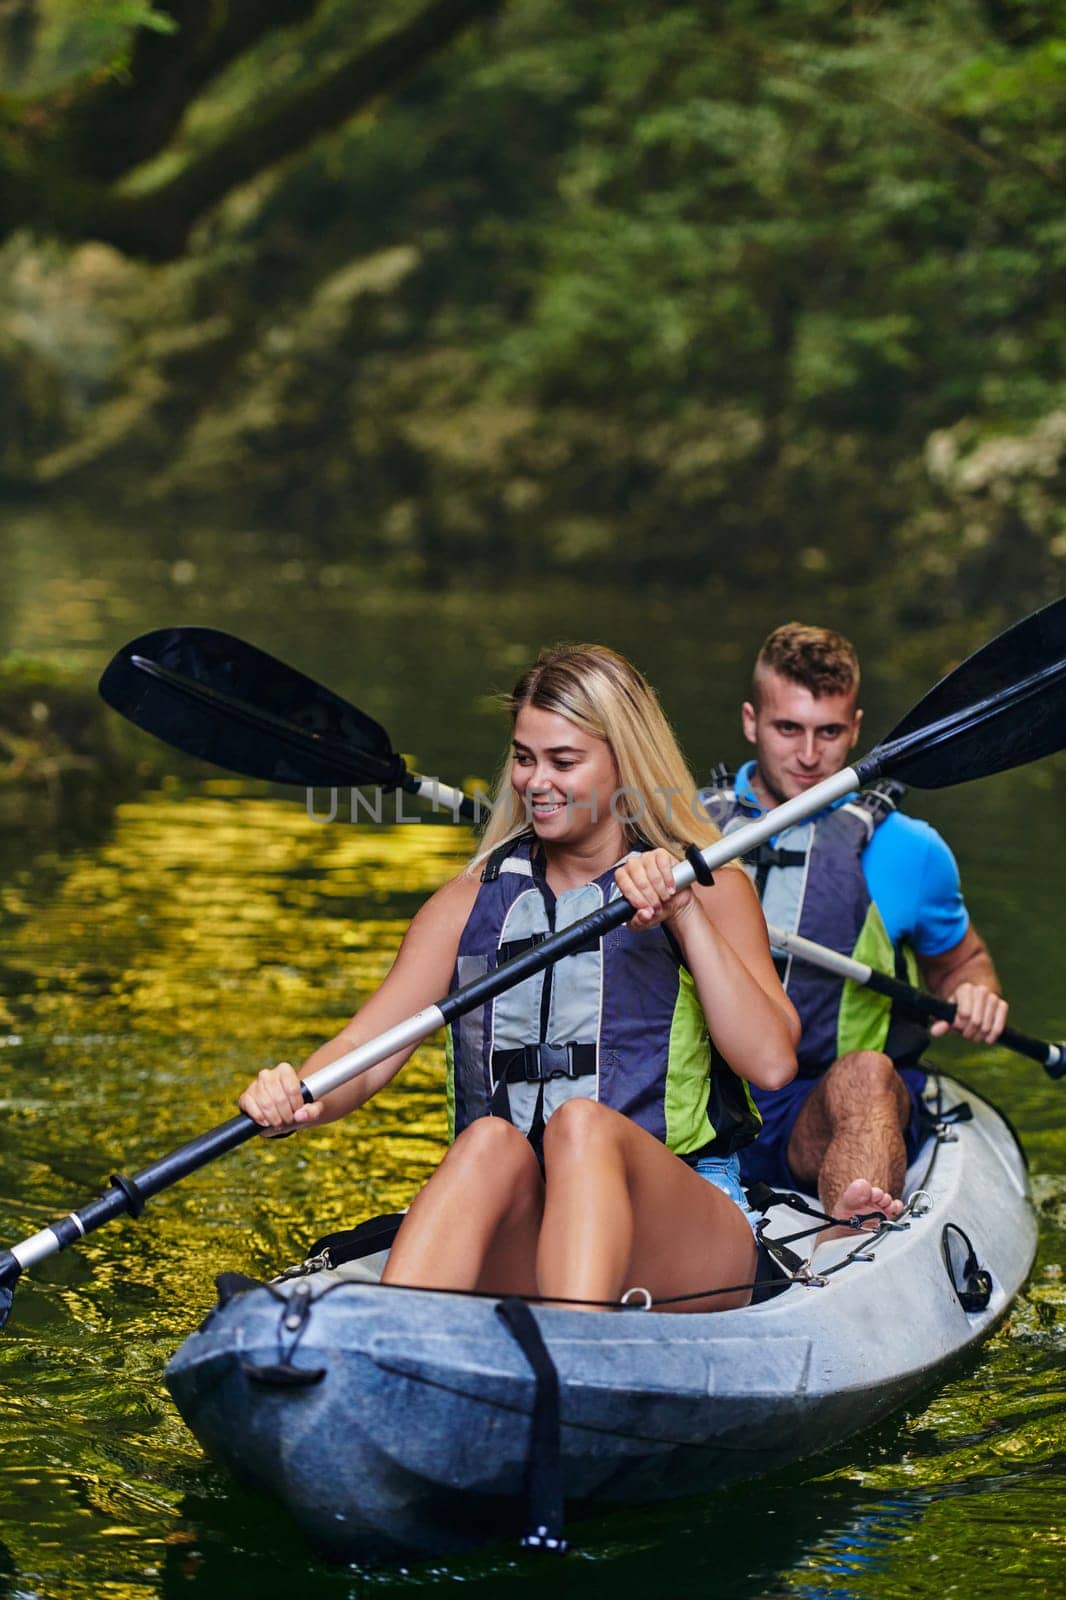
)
(518, 947)
(721, 777)
(537, 1063)
(500, 858)
(881, 799)
(768, 855)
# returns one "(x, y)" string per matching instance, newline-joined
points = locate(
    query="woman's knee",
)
(576, 1124)
(491, 1144)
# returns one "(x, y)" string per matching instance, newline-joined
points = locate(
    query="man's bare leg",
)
(848, 1139)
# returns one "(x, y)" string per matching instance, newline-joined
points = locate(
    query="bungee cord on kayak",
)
(790, 1272)
(790, 1269)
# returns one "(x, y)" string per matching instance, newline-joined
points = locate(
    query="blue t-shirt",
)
(910, 873)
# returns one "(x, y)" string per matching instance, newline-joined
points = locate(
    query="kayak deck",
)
(396, 1421)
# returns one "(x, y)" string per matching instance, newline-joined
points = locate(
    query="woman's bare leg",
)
(475, 1223)
(621, 1210)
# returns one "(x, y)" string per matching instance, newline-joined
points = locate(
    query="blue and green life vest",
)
(618, 1021)
(811, 882)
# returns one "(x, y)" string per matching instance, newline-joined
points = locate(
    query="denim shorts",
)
(724, 1173)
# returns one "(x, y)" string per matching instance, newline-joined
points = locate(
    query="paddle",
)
(232, 704)
(1011, 707)
(1052, 1057)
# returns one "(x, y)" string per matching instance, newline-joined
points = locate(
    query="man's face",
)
(799, 738)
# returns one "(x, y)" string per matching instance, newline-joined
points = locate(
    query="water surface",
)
(216, 928)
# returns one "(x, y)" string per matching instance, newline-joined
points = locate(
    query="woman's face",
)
(565, 778)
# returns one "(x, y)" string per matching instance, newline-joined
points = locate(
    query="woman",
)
(590, 1105)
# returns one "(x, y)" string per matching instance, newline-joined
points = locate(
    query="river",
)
(215, 927)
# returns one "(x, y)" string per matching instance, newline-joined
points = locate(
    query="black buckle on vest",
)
(537, 1063)
(530, 1064)
(518, 947)
(556, 1061)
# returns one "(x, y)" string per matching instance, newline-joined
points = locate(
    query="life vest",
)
(811, 882)
(618, 1021)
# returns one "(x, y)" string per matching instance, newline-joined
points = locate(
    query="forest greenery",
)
(675, 288)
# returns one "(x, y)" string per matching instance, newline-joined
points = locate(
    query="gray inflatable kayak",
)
(396, 1422)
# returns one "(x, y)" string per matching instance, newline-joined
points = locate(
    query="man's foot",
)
(861, 1197)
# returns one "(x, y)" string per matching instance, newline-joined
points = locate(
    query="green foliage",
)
(596, 273)
(50, 43)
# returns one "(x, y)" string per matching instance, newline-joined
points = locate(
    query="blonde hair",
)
(604, 695)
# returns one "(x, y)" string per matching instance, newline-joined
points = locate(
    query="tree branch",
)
(116, 125)
(156, 223)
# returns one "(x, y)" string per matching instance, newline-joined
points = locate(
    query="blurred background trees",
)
(659, 290)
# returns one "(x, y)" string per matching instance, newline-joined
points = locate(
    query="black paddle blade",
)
(266, 719)
(1001, 707)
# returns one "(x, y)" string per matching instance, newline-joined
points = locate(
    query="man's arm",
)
(965, 975)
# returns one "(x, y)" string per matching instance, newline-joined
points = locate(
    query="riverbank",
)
(66, 761)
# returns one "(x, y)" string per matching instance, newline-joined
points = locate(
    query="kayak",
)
(396, 1422)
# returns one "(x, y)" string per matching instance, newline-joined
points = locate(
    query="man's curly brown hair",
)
(816, 658)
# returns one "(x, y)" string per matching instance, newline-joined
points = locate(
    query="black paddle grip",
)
(170, 1169)
(1052, 1057)
(128, 1196)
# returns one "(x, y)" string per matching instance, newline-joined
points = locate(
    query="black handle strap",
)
(974, 1288)
(544, 1474)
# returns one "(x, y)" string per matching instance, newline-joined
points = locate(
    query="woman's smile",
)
(542, 807)
(564, 777)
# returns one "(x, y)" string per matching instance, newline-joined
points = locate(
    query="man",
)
(868, 881)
